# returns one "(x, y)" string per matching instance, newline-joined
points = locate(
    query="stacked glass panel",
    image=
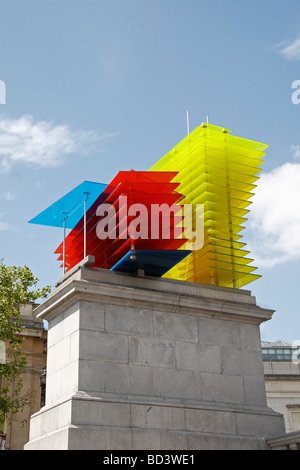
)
(128, 200)
(219, 171)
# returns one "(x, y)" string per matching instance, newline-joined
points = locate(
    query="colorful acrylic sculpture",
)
(210, 170)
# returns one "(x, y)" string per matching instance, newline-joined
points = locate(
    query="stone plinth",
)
(144, 363)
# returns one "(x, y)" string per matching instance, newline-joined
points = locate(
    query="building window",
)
(278, 354)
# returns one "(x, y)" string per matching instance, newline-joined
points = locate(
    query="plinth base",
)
(85, 422)
(143, 363)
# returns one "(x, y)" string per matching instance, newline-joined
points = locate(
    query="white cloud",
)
(43, 143)
(291, 51)
(295, 151)
(274, 220)
(9, 196)
(4, 226)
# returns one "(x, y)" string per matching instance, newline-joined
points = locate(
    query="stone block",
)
(174, 440)
(63, 325)
(180, 327)
(91, 316)
(175, 383)
(55, 330)
(58, 441)
(250, 337)
(270, 426)
(198, 357)
(62, 383)
(252, 363)
(129, 379)
(95, 412)
(219, 332)
(103, 346)
(71, 319)
(232, 360)
(63, 353)
(91, 375)
(57, 417)
(128, 321)
(121, 439)
(85, 438)
(157, 417)
(255, 390)
(54, 387)
(152, 351)
(206, 421)
(74, 346)
(145, 439)
(222, 388)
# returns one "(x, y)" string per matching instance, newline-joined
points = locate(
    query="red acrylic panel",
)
(128, 188)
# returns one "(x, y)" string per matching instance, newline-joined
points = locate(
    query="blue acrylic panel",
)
(154, 262)
(71, 206)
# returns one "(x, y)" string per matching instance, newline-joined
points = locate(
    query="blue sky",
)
(94, 87)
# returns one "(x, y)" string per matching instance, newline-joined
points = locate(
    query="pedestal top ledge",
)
(109, 287)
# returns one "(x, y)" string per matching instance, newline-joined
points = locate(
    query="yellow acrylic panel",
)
(220, 171)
